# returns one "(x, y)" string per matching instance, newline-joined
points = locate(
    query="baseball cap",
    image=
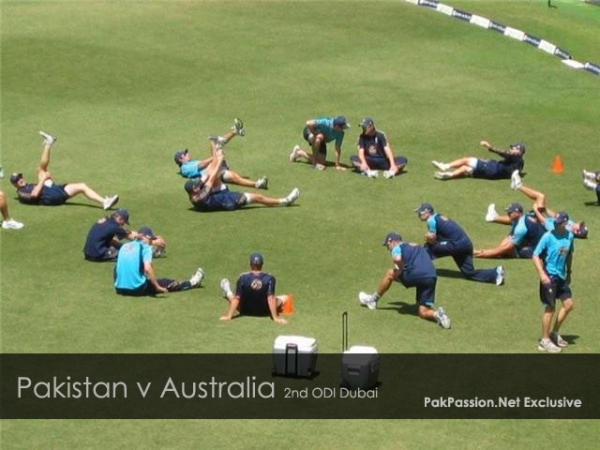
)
(391, 237)
(340, 121)
(514, 207)
(367, 122)
(146, 231)
(518, 146)
(582, 233)
(179, 154)
(15, 177)
(561, 217)
(124, 214)
(256, 259)
(424, 207)
(191, 184)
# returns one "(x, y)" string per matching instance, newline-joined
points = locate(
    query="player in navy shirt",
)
(103, 239)
(46, 192)
(318, 132)
(412, 268)
(375, 153)
(487, 169)
(524, 235)
(210, 194)
(193, 168)
(552, 259)
(446, 238)
(254, 293)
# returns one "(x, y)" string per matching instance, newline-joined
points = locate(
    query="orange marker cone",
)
(557, 165)
(287, 304)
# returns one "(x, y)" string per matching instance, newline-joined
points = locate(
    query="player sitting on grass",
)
(591, 181)
(412, 268)
(487, 169)
(46, 192)
(134, 274)
(210, 194)
(254, 293)
(193, 168)
(544, 215)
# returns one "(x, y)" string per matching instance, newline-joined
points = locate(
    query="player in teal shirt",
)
(318, 133)
(553, 258)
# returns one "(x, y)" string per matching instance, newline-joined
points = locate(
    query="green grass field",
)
(125, 84)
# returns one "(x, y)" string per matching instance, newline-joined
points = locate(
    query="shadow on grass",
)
(591, 203)
(447, 273)
(401, 307)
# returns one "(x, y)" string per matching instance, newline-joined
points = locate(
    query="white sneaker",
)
(491, 214)
(48, 138)
(197, 277)
(238, 127)
(388, 174)
(589, 184)
(587, 175)
(262, 183)
(500, 275)
(226, 288)
(441, 166)
(291, 198)
(515, 180)
(546, 345)
(558, 340)
(442, 175)
(442, 318)
(367, 300)
(219, 140)
(109, 202)
(12, 224)
(372, 173)
(294, 153)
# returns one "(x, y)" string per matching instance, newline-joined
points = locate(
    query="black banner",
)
(237, 386)
(531, 40)
(462, 15)
(591, 67)
(497, 27)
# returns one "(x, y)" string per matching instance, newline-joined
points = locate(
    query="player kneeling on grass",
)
(46, 192)
(254, 293)
(134, 274)
(210, 194)
(552, 258)
(412, 268)
(375, 153)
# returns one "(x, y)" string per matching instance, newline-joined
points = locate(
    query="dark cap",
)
(366, 122)
(518, 146)
(124, 214)
(561, 217)
(146, 231)
(15, 177)
(582, 232)
(179, 154)
(256, 259)
(391, 237)
(424, 207)
(191, 184)
(340, 121)
(513, 207)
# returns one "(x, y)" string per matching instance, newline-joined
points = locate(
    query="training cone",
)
(557, 165)
(287, 305)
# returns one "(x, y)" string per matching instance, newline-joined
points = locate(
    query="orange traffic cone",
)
(287, 304)
(557, 165)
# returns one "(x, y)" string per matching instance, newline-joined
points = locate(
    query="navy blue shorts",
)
(322, 148)
(379, 163)
(222, 201)
(425, 287)
(54, 195)
(558, 289)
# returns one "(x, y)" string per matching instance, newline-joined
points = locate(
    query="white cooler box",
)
(360, 367)
(294, 356)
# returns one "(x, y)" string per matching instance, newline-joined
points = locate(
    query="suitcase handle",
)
(344, 331)
(293, 347)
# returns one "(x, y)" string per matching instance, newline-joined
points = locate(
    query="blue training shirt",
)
(445, 229)
(525, 231)
(555, 250)
(325, 125)
(416, 262)
(129, 271)
(190, 169)
(100, 237)
(253, 289)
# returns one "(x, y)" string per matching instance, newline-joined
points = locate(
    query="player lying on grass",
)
(134, 274)
(446, 238)
(7, 222)
(106, 236)
(374, 153)
(194, 168)
(412, 268)
(544, 215)
(319, 132)
(591, 181)
(487, 169)
(46, 192)
(254, 293)
(524, 235)
(210, 194)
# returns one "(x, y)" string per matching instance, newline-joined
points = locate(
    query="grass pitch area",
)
(125, 84)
